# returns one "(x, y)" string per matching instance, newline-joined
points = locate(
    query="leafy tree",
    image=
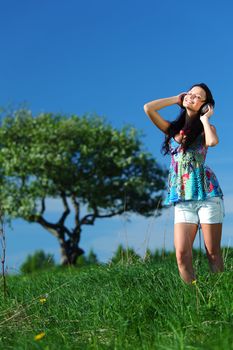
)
(90, 259)
(38, 261)
(158, 255)
(125, 256)
(95, 170)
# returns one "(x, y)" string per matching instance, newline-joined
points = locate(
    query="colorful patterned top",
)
(189, 177)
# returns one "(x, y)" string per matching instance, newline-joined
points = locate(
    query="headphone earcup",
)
(204, 108)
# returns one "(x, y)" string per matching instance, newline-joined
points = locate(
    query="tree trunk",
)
(67, 239)
(70, 251)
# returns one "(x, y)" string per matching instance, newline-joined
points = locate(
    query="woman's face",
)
(194, 99)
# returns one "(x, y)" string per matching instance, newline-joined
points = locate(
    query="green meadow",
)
(128, 305)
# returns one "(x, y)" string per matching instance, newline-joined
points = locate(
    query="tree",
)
(82, 161)
(38, 261)
(90, 259)
(125, 256)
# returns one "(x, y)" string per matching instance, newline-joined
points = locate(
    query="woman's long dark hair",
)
(192, 127)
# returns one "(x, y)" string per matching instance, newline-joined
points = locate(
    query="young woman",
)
(192, 186)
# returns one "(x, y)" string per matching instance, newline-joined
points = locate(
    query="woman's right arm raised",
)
(152, 107)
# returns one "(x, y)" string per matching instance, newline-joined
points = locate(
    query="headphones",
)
(205, 108)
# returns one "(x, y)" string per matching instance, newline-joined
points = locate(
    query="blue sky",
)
(110, 57)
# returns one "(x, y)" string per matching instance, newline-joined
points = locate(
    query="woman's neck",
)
(190, 114)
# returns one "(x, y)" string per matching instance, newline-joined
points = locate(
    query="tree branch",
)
(77, 210)
(66, 212)
(55, 229)
(52, 228)
(42, 206)
(89, 219)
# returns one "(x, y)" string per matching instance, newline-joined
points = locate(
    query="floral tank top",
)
(189, 177)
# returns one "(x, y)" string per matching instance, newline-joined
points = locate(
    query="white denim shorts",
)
(209, 211)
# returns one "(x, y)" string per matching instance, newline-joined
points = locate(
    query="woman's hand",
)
(181, 98)
(205, 117)
(211, 137)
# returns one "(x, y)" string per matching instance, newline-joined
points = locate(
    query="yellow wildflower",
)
(43, 300)
(194, 282)
(39, 336)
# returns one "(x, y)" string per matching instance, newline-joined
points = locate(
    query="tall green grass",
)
(143, 305)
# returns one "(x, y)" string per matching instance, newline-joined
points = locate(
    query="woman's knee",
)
(183, 257)
(214, 256)
(215, 261)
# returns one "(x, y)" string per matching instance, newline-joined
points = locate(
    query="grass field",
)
(124, 306)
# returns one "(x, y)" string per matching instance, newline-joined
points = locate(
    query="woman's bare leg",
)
(184, 235)
(212, 234)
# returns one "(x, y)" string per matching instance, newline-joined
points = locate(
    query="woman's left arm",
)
(211, 137)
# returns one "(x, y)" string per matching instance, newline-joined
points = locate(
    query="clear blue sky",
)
(110, 57)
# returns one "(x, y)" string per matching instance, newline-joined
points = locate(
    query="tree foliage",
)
(78, 160)
(38, 261)
(86, 260)
(125, 256)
